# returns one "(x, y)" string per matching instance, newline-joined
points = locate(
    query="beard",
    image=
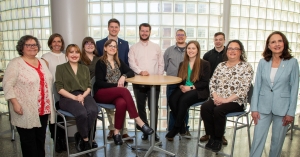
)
(144, 39)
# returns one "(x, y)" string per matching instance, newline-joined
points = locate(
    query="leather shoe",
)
(94, 144)
(118, 139)
(171, 134)
(147, 130)
(204, 138)
(125, 136)
(87, 146)
(144, 137)
(110, 134)
(209, 144)
(216, 146)
(224, 141)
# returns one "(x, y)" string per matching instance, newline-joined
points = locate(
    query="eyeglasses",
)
(112, 46)
(31, 45)
(180, 35)
(233, 49)
(89, 44)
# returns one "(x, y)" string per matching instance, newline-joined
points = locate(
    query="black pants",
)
(33, 140)
(180, 103)
(214, 117)
(85, 115)
(142, 93)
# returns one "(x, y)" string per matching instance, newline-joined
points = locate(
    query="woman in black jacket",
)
(194, 88)
(109, 88)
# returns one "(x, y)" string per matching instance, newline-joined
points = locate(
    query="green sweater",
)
(66, 79)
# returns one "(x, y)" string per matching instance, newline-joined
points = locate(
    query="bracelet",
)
(125, 76)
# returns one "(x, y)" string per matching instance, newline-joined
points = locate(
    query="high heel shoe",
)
(147, 130)
(118, 139)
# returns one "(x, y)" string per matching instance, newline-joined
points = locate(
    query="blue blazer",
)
(123, 49)
(281, 98)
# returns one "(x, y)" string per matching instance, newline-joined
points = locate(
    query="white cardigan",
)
(22, 82)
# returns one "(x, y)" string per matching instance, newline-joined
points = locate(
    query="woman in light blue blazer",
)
(275, 93)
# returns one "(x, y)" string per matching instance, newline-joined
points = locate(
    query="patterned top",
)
(43, 99)
(227, 81)
(113, 75)
(22, 82)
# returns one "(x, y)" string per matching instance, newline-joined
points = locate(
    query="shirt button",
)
(271, 90)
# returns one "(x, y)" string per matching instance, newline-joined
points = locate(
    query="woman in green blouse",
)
(73, 85)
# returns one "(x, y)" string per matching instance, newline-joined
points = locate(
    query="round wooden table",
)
(153, 80)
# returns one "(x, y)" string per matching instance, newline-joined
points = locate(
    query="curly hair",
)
(243, 53)
(286, 52)
(21, 43)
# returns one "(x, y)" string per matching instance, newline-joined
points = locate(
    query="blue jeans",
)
(170, 89)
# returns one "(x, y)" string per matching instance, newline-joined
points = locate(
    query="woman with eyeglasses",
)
(27, 85)
(73, 85)
(109, 88)
(89, 58)
(53, 58)
(89, 54)
(228, 87)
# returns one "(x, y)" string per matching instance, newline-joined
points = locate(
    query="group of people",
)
(221, 80)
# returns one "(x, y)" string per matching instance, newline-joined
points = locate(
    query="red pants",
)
(122, 99)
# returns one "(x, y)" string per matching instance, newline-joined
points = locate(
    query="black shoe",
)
(144, 137)
(172, 133)
(217, 145)
(94, 144)
(209, 144)
(118, 139)
(77, 143)
(182, 131)
(147, 130)
(156, 137)
(87, 146)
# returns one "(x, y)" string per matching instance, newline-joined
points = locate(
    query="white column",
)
(70, 19)
(226, 19)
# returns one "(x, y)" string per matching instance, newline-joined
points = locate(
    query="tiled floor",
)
(182, 148)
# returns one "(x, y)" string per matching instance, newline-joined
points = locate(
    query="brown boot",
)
(110, 134)
(224, 141)
(125, 136)
(204, 138)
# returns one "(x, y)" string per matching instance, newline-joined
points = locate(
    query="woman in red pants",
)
(110, 75)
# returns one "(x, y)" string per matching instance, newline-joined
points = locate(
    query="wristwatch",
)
(191, 87)
(125, 76)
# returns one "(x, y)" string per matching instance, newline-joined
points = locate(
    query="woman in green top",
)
(73, 85)
(195, 74)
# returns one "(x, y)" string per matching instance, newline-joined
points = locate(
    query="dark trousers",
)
(33, 140)
(85, 115)
(170, 89)
(122, 99)
(142, 93)
(180, 103)
(214, 117)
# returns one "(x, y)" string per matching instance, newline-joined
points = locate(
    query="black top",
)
(214, 58)
(101, 71)
(202, 85)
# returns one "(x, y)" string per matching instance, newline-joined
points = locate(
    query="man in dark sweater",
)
(214, 57)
